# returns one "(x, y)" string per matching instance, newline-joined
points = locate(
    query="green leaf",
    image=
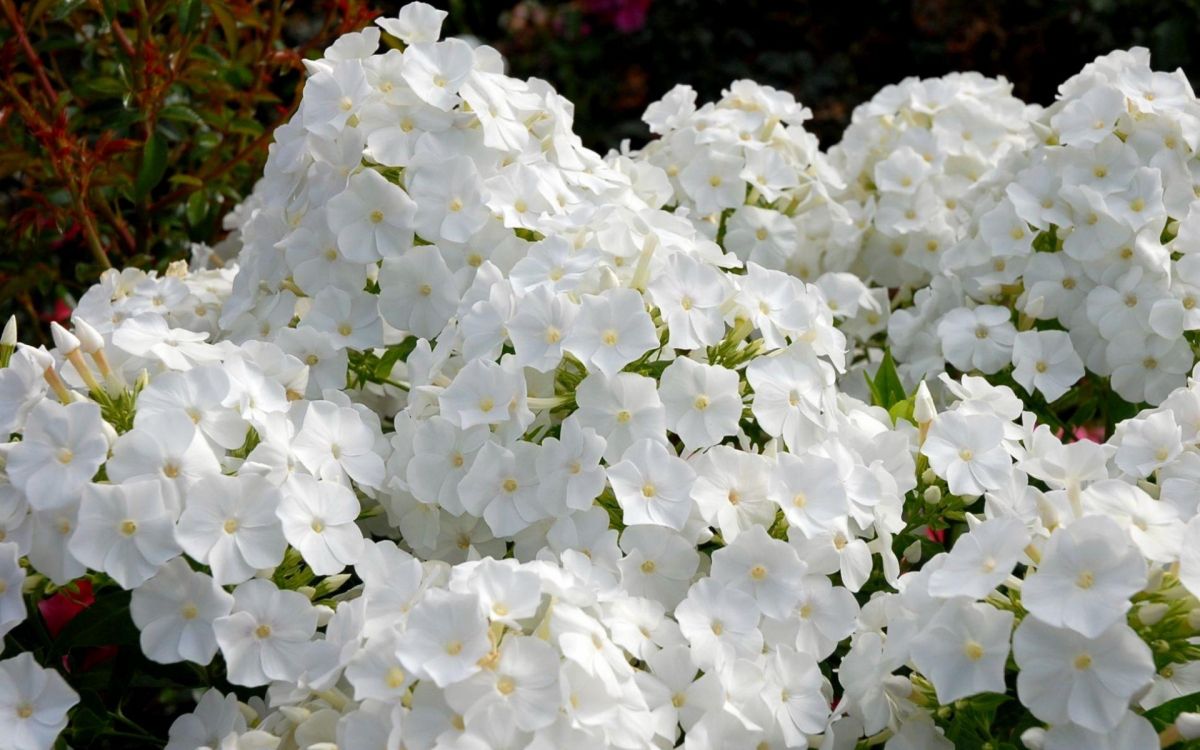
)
(180, 113)
(1164, 715)
(246, 126)
(154, 166)
(189, 15)
(197, 208)
(394, 354)
(886, 388)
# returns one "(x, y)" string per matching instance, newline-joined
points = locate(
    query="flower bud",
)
(1152, 613)
(928, 477)
(9, 337)
(65, 341)
(89, 338)
(42, 358)
(1034, 738)
(912, 553)
(924, 409)
(932, 495)
(1188, 724)
(1194, 619)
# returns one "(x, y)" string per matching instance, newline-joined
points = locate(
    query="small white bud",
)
(912, 553)
(929, 476)
(9, 337)
(1035, 307)
(924, 409)
(932, 495)
(1188, 724)
(1194, 619)
(89, 338)
(1152, 613)
(1034, 738)
(64, 340)
(42, 358)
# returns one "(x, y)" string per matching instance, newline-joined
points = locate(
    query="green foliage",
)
(128, 128)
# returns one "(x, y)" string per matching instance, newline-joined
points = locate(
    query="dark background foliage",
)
(129, 127)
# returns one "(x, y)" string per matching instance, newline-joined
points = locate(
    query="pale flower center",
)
(189, 611)
(758, 572)
(263, 631)
(1085, 580)
(454, 648)
(973, 650)
(395, 678)
(1083, 661)
(65, 455)
(128, 528)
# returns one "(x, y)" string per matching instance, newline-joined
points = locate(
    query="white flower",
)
(12, 578)
(335, 442)
(1046, 361)
(966, 451)
(977, 339)
(416, 22)
(268, 634)
(720, 623)
(963, 650)
(444, 638)
(522, 688)
(230, 525)
(34, 703)
(653, 485)
(164, 446)
(60, 450)
(126, 530)
(1066, 676)
(702, 402)
(417, 292)
(318, 519)
(436, 70)
(767, 569)
(980, 559)
(1085, 578)
(611, 330)
(175, 610)
(371, 218)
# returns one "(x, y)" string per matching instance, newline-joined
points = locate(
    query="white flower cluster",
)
(911, 159)
(1079, 252)
(486, 442)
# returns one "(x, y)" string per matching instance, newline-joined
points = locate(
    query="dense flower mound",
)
(486, 441)
(1079, 253)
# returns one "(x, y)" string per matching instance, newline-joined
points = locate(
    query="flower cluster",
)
(911, 159)
(1077, 258)
(485, 441)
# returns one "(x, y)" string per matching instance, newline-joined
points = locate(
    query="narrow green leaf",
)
(154, 166)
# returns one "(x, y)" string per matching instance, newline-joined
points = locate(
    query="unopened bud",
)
(608, 279)
(924, 409)
(9, 337)
(42, 358)
(928, 476)
(65, 341)
(331, 584)
(1194, 619)
(932, 495)
(295, 714)
(89, 338)
(1034, 738)
(308, 591)
(1188, 724)
(1152, 613)
(912, 553)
